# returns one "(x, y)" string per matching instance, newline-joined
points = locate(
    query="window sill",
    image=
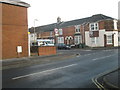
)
(94, 30)
(109, 43)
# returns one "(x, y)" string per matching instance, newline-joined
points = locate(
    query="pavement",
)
(111, 80)
(108, 80)
(28, 61)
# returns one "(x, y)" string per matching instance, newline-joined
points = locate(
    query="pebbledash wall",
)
(14, 29)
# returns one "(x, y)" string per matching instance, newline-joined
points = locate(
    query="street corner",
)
(107, 80)
(111, 80)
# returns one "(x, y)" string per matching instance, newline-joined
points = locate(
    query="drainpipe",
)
(29, 44)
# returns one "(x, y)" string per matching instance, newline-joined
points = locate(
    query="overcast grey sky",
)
(47, 11)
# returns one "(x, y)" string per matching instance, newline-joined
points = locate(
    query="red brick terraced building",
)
(96, 31)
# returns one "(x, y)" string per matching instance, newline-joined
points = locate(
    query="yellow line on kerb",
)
(95, 83)
(94, 80)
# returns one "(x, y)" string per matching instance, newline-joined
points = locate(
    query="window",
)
(109, 39)
(32, 35)
(77, 28)
(94, 40)
(60, 32)
(78, 39)
(51, 33)
(119, 38)
(93, 26)
(60, 39)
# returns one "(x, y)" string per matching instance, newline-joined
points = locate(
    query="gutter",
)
(17, 3)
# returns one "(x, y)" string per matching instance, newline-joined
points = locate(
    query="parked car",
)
(72, 46)
(62, 46)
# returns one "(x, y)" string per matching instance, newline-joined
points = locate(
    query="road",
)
(76, 72)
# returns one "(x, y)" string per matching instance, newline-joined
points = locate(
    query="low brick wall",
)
(46, 50)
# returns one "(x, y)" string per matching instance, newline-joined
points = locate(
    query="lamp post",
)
(34, 29)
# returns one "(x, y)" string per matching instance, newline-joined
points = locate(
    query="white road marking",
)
(19, 77)
(102, 57)
(86, 50)
(106, 50)
(89, 54)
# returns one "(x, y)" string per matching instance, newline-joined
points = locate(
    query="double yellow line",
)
(94, 80)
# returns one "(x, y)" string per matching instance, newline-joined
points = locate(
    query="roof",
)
(15, 2)
(51, 27)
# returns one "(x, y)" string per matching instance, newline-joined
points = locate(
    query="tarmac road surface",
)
(76, 72)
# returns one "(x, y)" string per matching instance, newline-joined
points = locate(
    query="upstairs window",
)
(93, 26)
(60, 32)
(51, 34)
(77, 29)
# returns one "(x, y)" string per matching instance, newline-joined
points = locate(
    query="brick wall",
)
(86, 27)
(69, 31)
(14, 31)
(101, 25)
(109, 25)
(45, 34)
(118, 25)
(82, 31)
(47, 50)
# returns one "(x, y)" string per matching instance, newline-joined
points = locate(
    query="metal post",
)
(34, 29)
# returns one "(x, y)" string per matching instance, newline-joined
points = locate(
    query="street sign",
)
(91, 33)
(19, 49)
(56, 32)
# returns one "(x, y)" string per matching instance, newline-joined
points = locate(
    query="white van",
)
(45, 42)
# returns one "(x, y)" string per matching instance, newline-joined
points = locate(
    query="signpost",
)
(19, 50)
(56, 32)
